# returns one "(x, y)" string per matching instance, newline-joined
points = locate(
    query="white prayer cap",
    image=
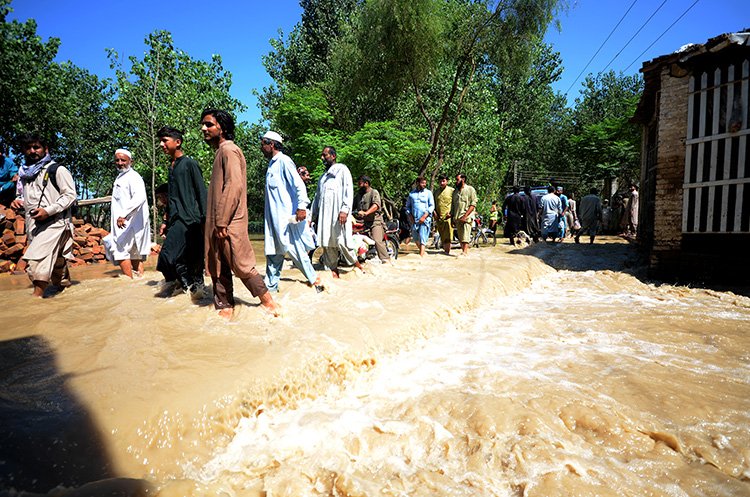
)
(124, 152)
(272, 135)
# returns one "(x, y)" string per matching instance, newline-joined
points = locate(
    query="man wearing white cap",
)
(286, 204)
(130, 240)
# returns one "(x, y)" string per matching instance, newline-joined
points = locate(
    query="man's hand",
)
(162, 229)
(462, 219)
(342, 217)
(423, 218)
(121, 222)
(221, 233)
(301, 214)
(39, 214)
(17, 204)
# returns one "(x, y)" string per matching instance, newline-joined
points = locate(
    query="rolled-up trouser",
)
(420, 232)
(274, 263)
(224, 287)
(54, 267)
(331, 257)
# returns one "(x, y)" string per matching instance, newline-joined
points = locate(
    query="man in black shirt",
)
(181, 257)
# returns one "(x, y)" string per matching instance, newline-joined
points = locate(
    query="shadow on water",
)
(611, 254)
(603, 255)
(47, 437)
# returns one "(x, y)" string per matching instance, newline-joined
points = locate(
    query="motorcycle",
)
(390, 237)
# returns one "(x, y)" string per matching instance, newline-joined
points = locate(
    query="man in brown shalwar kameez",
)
(228, 248)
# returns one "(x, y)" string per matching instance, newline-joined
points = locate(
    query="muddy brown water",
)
(492, 374)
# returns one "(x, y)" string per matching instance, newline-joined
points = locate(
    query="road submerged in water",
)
(537, 383)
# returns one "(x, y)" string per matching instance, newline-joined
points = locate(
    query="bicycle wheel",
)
(491, 237)
(475, 239)
(392, 247)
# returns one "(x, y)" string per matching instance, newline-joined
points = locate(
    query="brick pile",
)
(87, 242)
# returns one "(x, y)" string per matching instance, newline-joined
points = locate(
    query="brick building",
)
(695, 176)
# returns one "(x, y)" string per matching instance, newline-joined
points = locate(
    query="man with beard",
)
(228, 248)
(420, 204)
(515, 209)
(462, 211)
(368, 208)
(181, 257)
(129, 242)
(47, 193)
(330, 211)
(443, 203)
(286, 204)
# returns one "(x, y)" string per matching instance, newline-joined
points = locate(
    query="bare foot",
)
(335, 274)
(226, 313)
(269, 305)
(318, 285)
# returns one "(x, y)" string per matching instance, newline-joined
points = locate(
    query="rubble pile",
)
(87, 241)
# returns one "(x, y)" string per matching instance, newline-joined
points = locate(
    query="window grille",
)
(717, 178)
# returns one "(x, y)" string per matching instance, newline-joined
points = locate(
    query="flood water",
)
(584, 384)
(488, 375)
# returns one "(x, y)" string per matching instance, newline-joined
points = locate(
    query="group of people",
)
(206, 228)
(454, 208)
(203, 228)
(557, 216)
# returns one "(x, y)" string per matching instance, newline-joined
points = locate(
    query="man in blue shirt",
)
(8, 177)
(420, 204)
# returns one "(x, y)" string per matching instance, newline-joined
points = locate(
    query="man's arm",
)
(138, 195)
(199, 187)
(347, 195)
(374, 204)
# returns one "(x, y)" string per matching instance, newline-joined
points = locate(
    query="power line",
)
(660, 36)
(636, 34)
(600, 47)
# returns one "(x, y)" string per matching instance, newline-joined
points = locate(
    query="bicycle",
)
(481, 235)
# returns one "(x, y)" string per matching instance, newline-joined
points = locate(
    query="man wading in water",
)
(228, 248)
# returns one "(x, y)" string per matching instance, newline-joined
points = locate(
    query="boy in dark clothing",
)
(181, 257)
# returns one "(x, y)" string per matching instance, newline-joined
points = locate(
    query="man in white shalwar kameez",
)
(286, 201)
(330, 211)
(130, 241)
(46, 192)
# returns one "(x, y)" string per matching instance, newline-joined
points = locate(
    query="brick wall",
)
(670, 168)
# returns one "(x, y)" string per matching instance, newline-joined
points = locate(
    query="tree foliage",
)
(60, 101)
(166, 87)
(605, 144)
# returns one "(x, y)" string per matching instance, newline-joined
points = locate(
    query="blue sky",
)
(240, 32)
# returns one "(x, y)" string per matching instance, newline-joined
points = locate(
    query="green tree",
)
(24, 87)
(61, 101)
(166, 87)
(605, 145)
(434, 53)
